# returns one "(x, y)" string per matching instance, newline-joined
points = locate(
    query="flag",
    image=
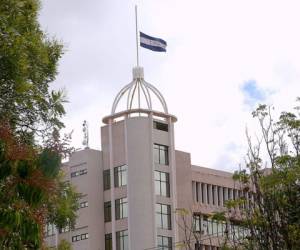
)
(152, 43)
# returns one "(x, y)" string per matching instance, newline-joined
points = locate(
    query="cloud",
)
(214, 48)
(252, 93)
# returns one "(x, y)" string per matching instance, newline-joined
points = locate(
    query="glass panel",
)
(164, 209)
(157, 187)
(169, 243)
(116, 179)
(164, 243)
(125, 210)
(156, 154)
(118, 210)
(165, 221)
(163, 176)
(124, 177)
(166, 156)
(163, 189)
(158, 220)
(162, 157)
(209, 227)
(157, 175)
(126, 243)
(159, 240)
(158, 208)
(215, 228)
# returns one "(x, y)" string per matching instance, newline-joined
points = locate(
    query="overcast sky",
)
(223, 58)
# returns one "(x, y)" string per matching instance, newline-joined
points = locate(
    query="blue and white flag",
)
(152, 43)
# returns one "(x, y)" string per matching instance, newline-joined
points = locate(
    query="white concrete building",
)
(132, 188)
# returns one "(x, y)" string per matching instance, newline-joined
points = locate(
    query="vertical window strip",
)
(122, 240)
(106, 179)
(164, 242)
(162, 183)
(120, 176)
(108, 241)
(163, 216)
(121, 208)
(161, 154)
(107, 211)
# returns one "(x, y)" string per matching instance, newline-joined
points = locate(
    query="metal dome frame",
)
(140, 87)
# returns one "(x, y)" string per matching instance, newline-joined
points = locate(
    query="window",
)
(108, 241)
(83, 204)
(197, 223)
(220, 228)
(121, 208)
(107, 211)
(162, 184)
(163, 216)
(65, 229)
(84, 236)
(120, 176)
(49, 229)
(161, 155)
(78, 173)
(164, 243)
(106, 179)
(160, 126)
(80, 237)
(75, 238)
(122, 240)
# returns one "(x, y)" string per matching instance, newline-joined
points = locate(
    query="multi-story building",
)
(132, 188)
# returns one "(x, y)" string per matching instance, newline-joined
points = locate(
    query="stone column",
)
(216, 195)
(200, 193)
(205, 193)
(210, 194)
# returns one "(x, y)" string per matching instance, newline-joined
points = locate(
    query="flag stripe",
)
(152, 43)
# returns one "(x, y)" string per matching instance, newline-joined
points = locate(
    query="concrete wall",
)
(91, 188)
(140, 183)
(130, 142)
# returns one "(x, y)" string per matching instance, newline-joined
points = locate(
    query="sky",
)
(223, 58)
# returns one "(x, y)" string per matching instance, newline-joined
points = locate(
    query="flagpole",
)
(137, 38)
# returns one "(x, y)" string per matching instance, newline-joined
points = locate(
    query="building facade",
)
(132, 190)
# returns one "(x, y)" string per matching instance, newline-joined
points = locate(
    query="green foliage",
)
(28, 63)
(32, 189)
(273, 214)
(64, 245)
(50, 162)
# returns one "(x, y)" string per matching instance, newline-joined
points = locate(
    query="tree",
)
(267, 212)
(193, 233)
(28, 63)
(63, 245)
(271, 187)
(32, 188)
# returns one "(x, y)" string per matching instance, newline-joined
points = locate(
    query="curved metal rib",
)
(148, 92)
(148, 99)
(159, 96)
(132, 96)
(118, 97)
(129, 94)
